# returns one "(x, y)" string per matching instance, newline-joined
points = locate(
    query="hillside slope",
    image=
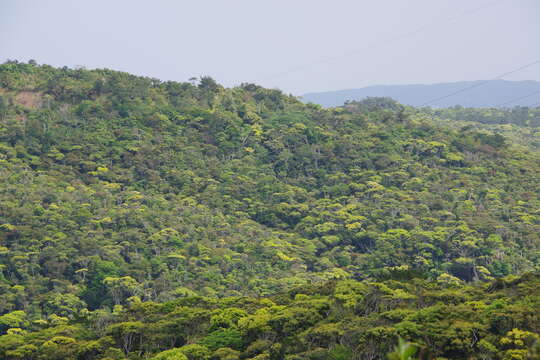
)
(113, 185)
(118, 193)
(490, 94)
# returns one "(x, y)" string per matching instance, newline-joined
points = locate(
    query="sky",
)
(297, 46)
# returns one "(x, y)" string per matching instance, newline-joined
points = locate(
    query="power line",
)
(480, 83)
(378, 44)
(517, 99)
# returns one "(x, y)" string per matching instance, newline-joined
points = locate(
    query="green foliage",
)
(195, 352)
(130, 206)
(171, 354)
(230, 338)
(403, 351)
(427, 319)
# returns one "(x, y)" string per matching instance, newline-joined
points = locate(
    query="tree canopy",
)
(139, 216)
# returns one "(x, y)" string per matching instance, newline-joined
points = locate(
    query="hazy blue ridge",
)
(483, 94)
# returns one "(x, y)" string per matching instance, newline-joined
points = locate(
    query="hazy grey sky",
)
(295, 45)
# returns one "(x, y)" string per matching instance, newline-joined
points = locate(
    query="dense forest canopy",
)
(518, 115)
(139, 216)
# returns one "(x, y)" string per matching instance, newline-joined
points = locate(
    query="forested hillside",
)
(522, 116)
(138, 215)
(519, 125)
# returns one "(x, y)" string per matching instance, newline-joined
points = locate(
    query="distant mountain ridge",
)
(491, 93)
